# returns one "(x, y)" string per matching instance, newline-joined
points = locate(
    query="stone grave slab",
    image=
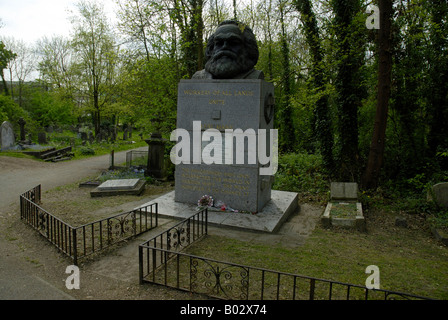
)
(343, 209)
(269, 219)
(119, 187)
(118, 184)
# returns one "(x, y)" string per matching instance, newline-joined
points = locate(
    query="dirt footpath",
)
(32, 268)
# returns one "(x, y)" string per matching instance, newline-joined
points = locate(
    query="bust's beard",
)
(227, 65)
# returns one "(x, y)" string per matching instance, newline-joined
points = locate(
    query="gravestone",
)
(42, 138)
(344, 190)
(119, 187)
(440, 194)
(343, 209)
(7, 138)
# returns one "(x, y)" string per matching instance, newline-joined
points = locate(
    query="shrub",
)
(302, 173)
(86, 151)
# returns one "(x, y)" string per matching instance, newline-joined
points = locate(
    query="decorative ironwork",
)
(121, 226)
(79, 242)
(219, 279)
(178, 237)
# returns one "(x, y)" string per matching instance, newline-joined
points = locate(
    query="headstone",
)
(42, 138)
(7, 138)
(440, 193)
(225, 104)
(344, 191)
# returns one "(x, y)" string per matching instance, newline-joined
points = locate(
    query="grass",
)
(410, 260)
(407, 263)
(343, 210)
(75, 206)
(67, 138)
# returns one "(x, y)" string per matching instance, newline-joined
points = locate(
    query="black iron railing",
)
(135, 156)
(162, 262)
(157, 251)
(82, 241)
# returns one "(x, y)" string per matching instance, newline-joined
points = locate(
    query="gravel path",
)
(33, 269)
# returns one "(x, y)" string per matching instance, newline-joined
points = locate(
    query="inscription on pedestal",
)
(237, 105)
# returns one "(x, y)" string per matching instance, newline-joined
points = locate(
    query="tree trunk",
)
(371, 175)
(322, 126)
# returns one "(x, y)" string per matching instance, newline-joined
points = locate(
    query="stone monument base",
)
(270, 219)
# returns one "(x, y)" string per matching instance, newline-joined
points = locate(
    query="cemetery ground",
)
(409, 258)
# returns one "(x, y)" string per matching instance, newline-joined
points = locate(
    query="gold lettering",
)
(248, 93)
(213, 101)
(197, 92)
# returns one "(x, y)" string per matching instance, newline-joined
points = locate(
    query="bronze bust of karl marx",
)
(231, 53)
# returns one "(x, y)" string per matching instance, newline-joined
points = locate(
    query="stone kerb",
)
(343, 209)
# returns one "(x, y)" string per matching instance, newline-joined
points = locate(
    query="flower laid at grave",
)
(208, 202)
(205, 201)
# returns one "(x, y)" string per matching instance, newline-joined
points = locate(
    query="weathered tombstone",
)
(440, 194)
(344, 190)
(42, 138)
(7, 138)
(22, 123)
(226, 96)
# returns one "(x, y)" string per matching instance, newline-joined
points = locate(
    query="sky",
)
(31, 20)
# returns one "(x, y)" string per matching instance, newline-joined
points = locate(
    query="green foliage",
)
(48, 108)
(150, 92)
(86, 151)
(10, 111)
(302, 173)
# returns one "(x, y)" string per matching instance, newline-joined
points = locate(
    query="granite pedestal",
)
(226, 168)
(269, 219)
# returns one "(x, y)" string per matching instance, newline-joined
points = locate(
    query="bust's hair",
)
(249, 40)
